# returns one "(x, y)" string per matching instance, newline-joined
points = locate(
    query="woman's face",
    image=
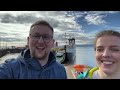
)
(108, 54)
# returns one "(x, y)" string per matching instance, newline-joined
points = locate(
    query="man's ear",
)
(53, 42)
(27, 41)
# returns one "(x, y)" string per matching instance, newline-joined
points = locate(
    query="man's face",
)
(40, 46)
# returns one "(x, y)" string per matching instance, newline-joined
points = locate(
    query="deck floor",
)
(69, 68)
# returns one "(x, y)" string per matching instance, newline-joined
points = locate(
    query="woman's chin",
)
(108, 71)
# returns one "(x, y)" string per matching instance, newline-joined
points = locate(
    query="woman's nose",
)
(106, 53)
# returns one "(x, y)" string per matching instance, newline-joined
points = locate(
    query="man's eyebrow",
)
(35, 33)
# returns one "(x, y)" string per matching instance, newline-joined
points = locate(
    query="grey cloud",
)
(7, 18)
(9, 39)
(84, 37)
(53, 22)
(27, 18)
(24, 18)
(79, 38)
(3, 34)
(64, 37)
(17, 37)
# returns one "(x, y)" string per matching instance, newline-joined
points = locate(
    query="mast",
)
(0, 42)
(65, 39)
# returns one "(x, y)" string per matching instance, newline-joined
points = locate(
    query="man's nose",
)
(40, 39)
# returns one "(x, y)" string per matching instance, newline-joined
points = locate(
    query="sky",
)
(82, 25)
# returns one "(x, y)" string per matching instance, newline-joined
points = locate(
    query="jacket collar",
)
(33, 62)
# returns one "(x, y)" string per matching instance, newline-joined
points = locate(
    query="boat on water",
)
(70, 52)
(66, 54)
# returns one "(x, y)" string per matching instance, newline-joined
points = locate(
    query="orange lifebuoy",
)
(79, 69)
(78, 66)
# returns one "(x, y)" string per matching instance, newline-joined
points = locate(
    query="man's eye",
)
(35, 36)
(46, 37)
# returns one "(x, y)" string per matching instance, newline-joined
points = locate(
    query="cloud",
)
(95, 19)
(57, 19)
(2, 34)
(15, 24)
(10, 39)
(25, 18)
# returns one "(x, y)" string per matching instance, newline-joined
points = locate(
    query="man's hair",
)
(42, 22)
(105, 33)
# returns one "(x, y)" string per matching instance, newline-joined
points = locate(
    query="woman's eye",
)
(99, 50)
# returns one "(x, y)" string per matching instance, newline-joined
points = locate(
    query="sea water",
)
(84, 55)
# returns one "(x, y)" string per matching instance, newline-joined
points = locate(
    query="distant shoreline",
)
(85, 45)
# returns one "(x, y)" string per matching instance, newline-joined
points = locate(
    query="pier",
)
(3, 52)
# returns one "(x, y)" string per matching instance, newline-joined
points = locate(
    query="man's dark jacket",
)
(25, 67)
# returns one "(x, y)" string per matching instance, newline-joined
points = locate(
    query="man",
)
(36, 62)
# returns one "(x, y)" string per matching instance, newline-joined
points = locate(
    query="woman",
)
(107, 53)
